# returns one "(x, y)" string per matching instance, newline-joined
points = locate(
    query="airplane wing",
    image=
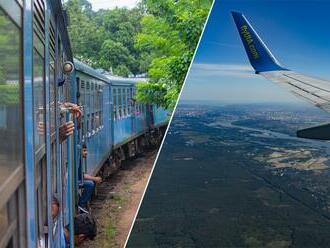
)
(314, 90)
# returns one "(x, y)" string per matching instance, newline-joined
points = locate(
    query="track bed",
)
(117, 200)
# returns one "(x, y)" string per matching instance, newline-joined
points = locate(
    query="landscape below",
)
(236, 176)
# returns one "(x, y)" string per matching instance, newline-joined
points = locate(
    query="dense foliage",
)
(158, 37)
(105, 38)
(170, 33)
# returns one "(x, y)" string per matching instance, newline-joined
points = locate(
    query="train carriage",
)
(96, 125)
(34, 46)
(130, 118)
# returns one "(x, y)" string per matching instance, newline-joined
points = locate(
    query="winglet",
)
(259, 55)
(319, 132)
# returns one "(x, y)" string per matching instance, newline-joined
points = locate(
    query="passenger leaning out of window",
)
(67, 128)
(88, 183)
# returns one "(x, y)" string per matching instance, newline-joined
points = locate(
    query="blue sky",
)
(297, 33)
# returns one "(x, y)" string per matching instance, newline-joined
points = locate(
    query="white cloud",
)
(236, 70)
(111, 4)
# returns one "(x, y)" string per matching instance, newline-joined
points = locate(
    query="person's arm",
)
(95, 179)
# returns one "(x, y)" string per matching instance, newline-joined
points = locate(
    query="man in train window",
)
(88, 183)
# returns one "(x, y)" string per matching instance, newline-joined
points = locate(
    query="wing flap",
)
(315, 91)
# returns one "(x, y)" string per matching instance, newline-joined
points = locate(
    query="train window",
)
(97, 120)
(52, 95)
(41, 198)
(10, 100)
(87, 95)
(91, 98)
(123, 93)
(101, 118)
(54, 168)
(137, 107)
(128, 101)
(98, 93)
(101, 106)
(39, 117)
(52, 89)
(97, 97)
(101, 98)
(120, 100)
(11, 124)
(114, 103)
(123, 96)
(83, 129)
(88, 123)
(38, 94)
(82, 93)
(93, 122)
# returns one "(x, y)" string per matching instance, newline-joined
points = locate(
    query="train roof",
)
(84, 68)
(116, 80)
(106, 76)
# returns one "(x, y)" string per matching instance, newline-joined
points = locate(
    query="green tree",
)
(121, 25)
(106, 38)
(85, 36)
(170, 33)
(113, 54)
(158, 37)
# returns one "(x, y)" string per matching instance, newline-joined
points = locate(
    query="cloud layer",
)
(213, 70)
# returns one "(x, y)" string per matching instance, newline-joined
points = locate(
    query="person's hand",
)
(66, 130)
(76, 111)
(74, 108)
(98, 180)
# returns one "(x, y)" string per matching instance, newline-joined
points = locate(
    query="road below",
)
(118, 199)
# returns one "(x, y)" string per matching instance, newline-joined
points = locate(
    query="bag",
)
(85, 223)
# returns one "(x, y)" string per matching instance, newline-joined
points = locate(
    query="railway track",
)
(117, 200)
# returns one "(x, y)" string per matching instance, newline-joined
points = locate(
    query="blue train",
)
(38, 74)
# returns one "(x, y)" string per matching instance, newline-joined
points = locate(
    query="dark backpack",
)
(84, 223)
